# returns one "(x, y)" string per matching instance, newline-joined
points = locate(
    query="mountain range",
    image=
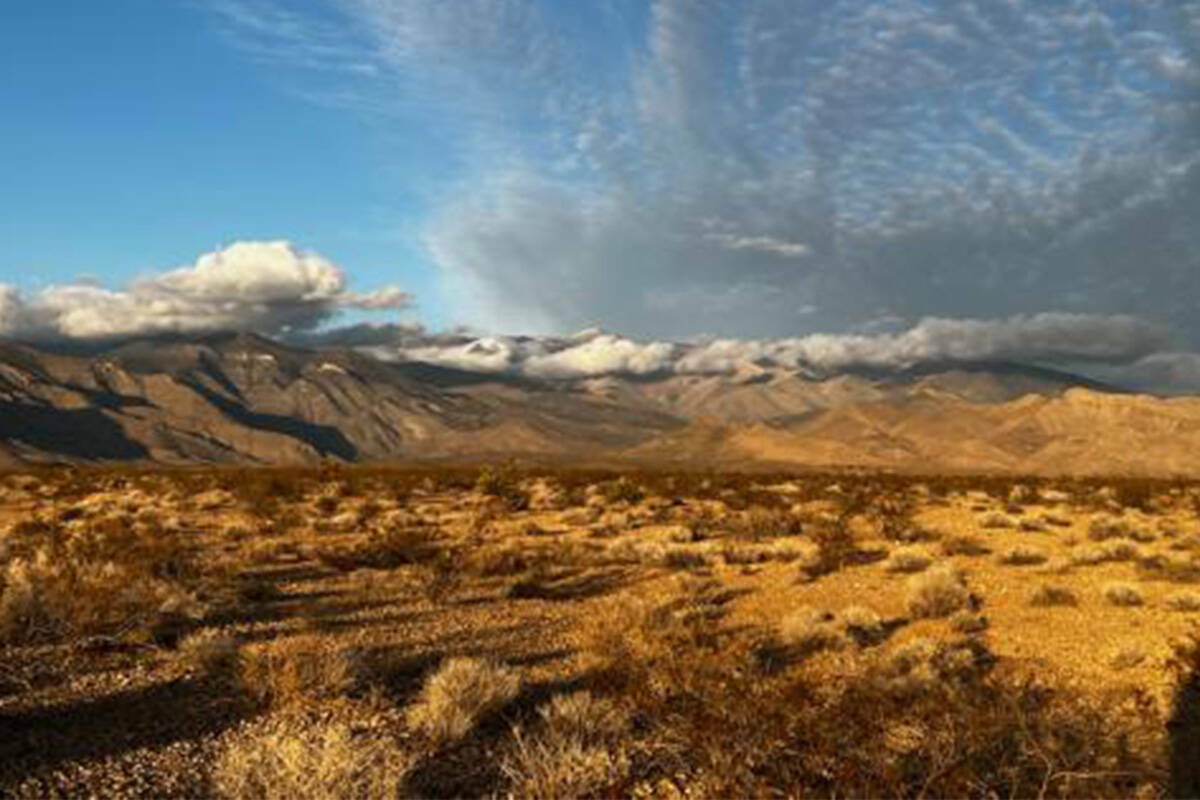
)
(245, 399)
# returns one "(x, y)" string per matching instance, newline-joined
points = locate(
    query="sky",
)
(908, 179)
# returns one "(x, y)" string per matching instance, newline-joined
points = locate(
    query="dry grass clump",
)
(908, 559)
(997, 521)
(806, 631)
(298, 670)
(298, 759)
(104, 578)
(1048, 595)
(386, 549)
(964, 546)
(1104, 528)
(1123, 594)
(1092, 555)
(1021, 556)
(763, 523)
(1184, 602)
(863, 625)
(459, 694)
(576, 751)
(212, 654)
(938, 592)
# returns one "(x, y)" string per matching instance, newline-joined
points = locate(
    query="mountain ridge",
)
(244, 398)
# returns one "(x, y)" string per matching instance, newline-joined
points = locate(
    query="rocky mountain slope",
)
(240, 398)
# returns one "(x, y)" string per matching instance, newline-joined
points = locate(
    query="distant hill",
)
(241, 398)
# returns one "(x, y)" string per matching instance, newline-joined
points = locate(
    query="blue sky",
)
(136, 138)
(669, 169)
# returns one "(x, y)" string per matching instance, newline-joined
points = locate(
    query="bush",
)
(1184, 602)
(908, 559)
(964, 546)
(293, 758)
(298, 670)
(459, 694)
(1123, 594)
(1022, 556)
(1047, 595)
(806, 631)
(503, 483)
(212, 654)
(938, 592)
(576, 751)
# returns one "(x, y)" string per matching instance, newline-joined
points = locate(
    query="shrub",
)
(504, 484)
(292, 758)
(1047, 595)
(964, 546)
(908, 559)
(297, 670)
(622, 490)
(1022, 556)
(864, 626)
(575, 752)
(212, 654)
(938, 592)
(460, 693)
(1123, 594)
(1184, 602)
(806, 631)
(997, 521)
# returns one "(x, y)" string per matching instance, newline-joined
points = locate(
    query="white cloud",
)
(1053, 338)
(263, 286)
(603, 355)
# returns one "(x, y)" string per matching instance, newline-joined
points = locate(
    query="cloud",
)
(1050, 338)
(766, 168)
(271, 287)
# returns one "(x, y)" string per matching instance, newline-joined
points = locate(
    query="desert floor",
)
(282, 633)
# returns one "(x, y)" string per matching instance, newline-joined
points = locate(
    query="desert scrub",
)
(1184, 602)
(289, 758)
(1049, 595)
(938, 592)
(459, 694)
(964, 546)
(298, 670)
(503, 483)
(908, 559)
(1123, 594)
(575, 750)
(1021, 556)
(806, 631)
(211, 654)
(106, 578)
(863, 625)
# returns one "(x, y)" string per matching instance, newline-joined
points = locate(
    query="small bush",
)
(908, 559)
(576, 752)
(863, 625)
(1047, 595)
(964, 546)
(997, 521)
(1123, 594)
(460, 693)
(938, 592)
(1022, 556)
(807, 631)
(297, 670)
(212, 654)
(1184, 602)
(301, 760)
